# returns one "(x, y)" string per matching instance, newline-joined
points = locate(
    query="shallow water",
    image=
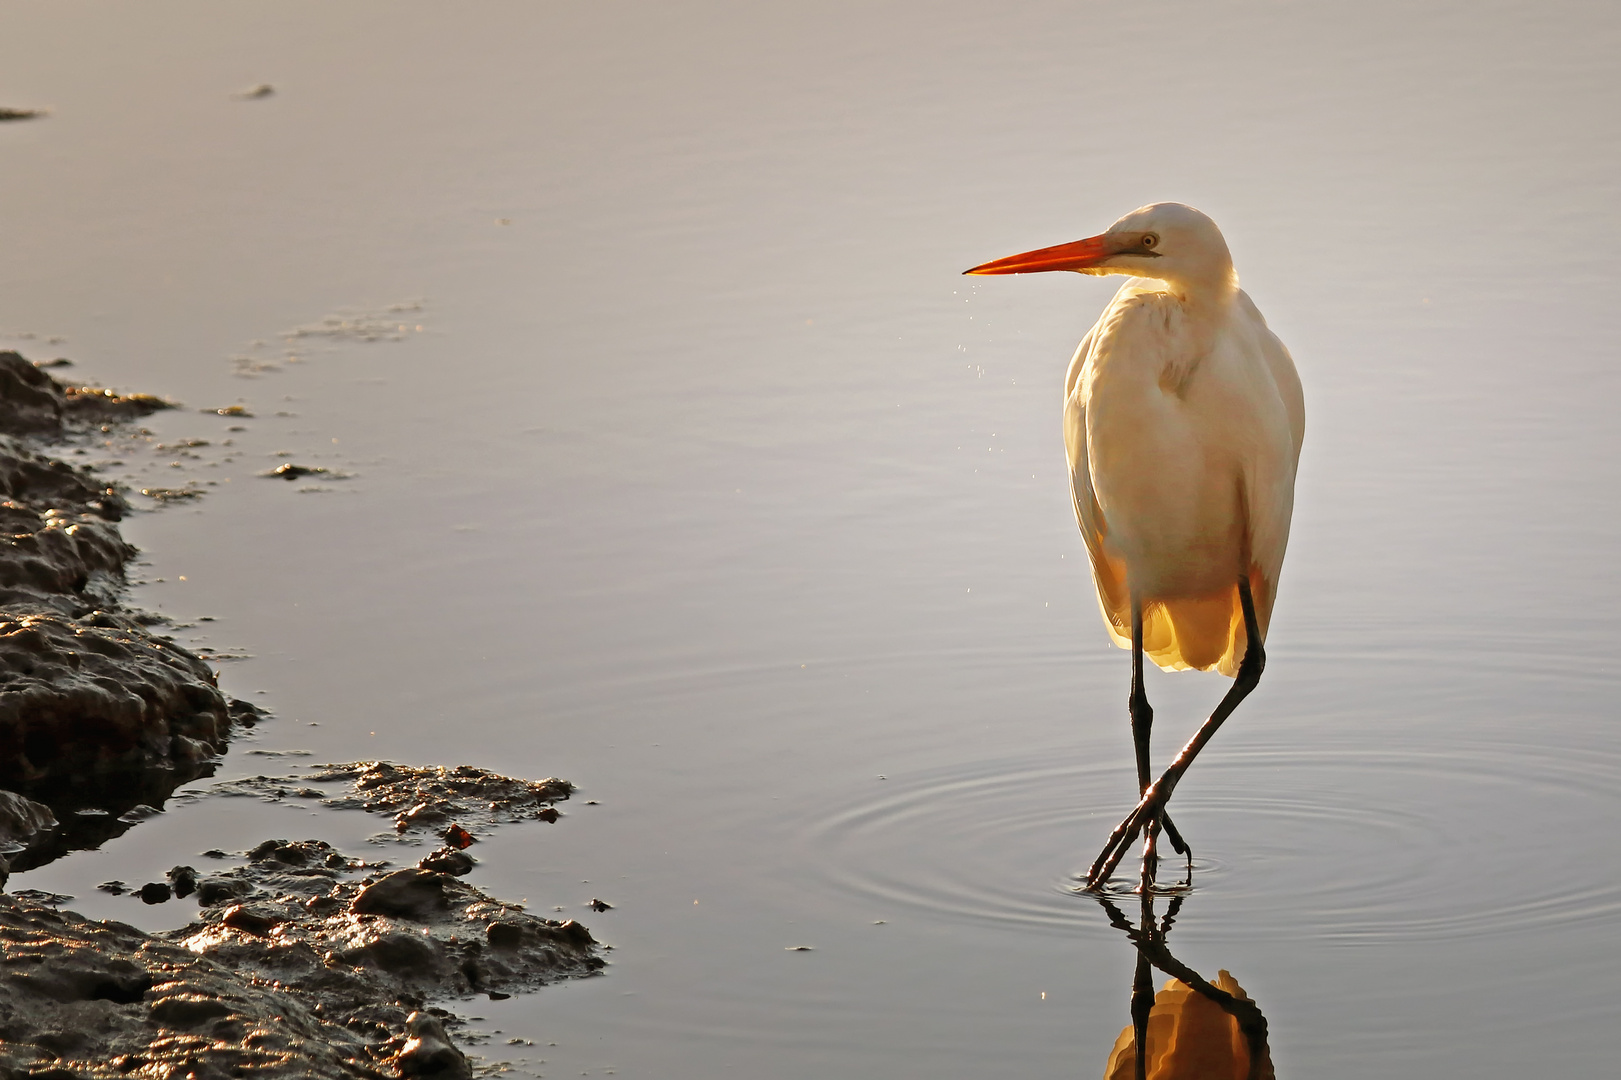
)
(709, 484)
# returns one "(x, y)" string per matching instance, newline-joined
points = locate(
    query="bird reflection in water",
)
(1192, 1029)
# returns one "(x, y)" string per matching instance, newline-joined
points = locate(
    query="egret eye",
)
(1150, 240)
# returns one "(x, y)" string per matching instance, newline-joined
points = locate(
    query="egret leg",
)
(1152, 805)
(1142, 724)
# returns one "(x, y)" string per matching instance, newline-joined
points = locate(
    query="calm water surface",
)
(708, 483)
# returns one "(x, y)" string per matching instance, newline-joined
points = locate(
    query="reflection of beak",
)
(1080, 255)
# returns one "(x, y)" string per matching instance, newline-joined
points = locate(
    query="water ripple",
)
(1352, 845)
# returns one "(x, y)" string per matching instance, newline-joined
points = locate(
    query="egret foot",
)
(1149, 814)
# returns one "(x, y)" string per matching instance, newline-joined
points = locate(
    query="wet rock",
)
(318, 975)
(183, 880)
(458, 837)
(245, 713)
(155, 892)
(448, 860)
(414, 893)
(280, 851)
(117, 888)
(411, 935)
(34, 482)
(169, 495)
(289, 471)
(139, 812)
(31, 402)
(91, 696)
(599, 905)
(220, 890)
(9, 113)
(464, 794)
(23, 821)
(428, 1052)
(96, 711)
(103, 999)
(251, 920)
(396, 952)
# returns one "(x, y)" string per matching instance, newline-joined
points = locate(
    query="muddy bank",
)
(303, 960)
(98, 714)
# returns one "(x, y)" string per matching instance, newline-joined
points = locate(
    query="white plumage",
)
(1183, 420)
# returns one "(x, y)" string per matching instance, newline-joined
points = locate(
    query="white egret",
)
(1183, 420)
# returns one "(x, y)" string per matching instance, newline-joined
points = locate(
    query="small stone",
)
(289, 471)
(448, 860)
(504, 935)
(183, 879)
(322, 906)
(405, 893)
(458, 837)
(22, 820)
(599, 905)
(213, 890)
(117, 888)
(428, 1051)
(155, 892)
(249, 921)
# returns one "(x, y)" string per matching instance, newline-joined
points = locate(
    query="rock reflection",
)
(1192, 1029)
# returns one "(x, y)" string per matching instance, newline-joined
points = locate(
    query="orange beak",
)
(1080, 255)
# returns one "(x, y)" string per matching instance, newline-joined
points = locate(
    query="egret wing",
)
(1108, 573)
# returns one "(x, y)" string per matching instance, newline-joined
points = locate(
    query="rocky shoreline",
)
(303, 961)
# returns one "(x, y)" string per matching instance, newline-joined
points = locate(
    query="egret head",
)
(1168, 241)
